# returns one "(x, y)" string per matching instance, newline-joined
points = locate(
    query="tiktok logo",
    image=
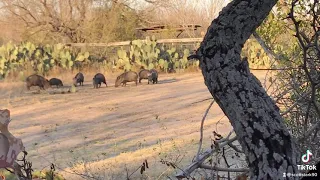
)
(306, 157)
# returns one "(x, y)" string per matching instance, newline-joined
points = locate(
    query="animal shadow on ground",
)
(166, 81)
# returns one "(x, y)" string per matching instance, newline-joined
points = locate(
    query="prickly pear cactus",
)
(147, 53)
(256, 56)
(41, 58)
(10, 146)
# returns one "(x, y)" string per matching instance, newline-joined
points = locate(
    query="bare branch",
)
(196, 164)
(309, 132)
(216, 168)
(201, 129)
(265, 47)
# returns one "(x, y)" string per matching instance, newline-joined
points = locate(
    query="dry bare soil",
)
(110, 131)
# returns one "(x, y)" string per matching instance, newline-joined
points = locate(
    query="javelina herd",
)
(122, 79)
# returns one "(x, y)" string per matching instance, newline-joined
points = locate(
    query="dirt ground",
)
(109, 132)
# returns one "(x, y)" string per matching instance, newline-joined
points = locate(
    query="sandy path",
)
(115, 126)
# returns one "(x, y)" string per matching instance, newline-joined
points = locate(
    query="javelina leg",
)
(136, 82)
(139, 80)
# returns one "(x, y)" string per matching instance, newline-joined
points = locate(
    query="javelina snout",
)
(55, 82)
(129, 76)
(36, 80)
(79, 78)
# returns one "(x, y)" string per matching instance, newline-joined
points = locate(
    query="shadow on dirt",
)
(167, 81)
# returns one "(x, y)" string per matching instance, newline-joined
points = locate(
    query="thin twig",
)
(202, 100)
(226, 138)
(196, 164)
(201, 129)
(216, 168)
(234, 147)
(226, 161)
(309, 132)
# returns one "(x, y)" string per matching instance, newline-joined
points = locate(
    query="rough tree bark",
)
(269, 148)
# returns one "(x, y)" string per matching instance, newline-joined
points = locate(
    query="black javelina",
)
(143, 74)
(79, 78)
(98, 79)
(36, 80)
(153, 76)
(55, 82)
(96, 82)
(126, 77)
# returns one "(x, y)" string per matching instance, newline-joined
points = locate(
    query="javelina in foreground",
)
(96, 82)
(98, 79)
(127, 77)
(143, 74)
(153, 76)
(79, 78)
(36, 80)
(55, 82)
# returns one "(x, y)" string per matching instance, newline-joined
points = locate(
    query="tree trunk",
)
(269, 148)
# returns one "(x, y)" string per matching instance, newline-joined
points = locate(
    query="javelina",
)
(55, 82)
(98, 79)
(126, 77)
(172, 71)
(153, 76)
(79, 78)
(143, 74)
(96, 82)
(36, 80)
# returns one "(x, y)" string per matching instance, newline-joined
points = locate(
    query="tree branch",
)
(201, 129)
(216, 168)
(196, 164)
